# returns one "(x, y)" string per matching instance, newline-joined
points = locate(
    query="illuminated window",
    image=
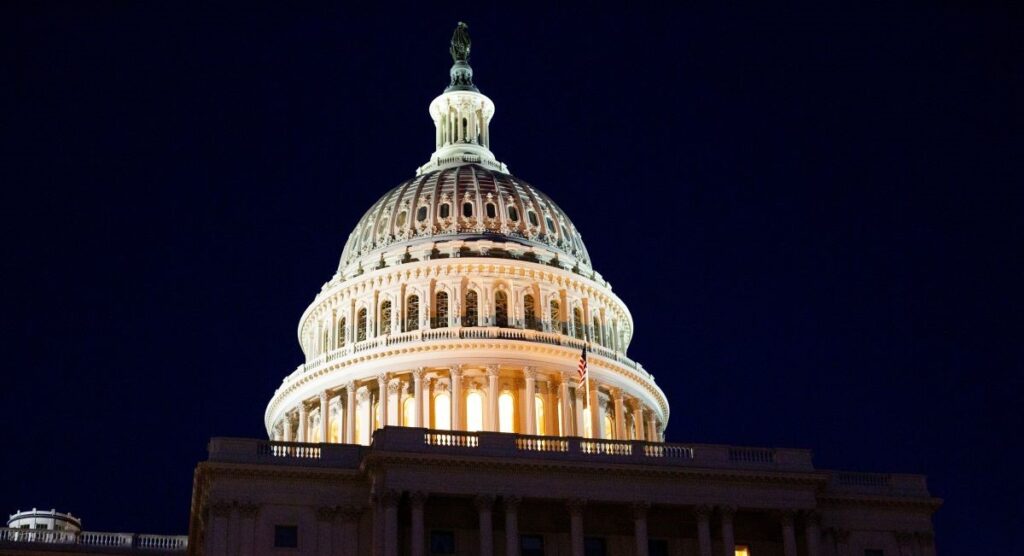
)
(340, 334)
(506, 413)
(530, 313)
(538, 409)
(441, 308)
(409, 412)
(500, 309)
(586, 422)
(578, 322)
(385, 318)
(555, 315)
(361, 325)
(561, 421)
(335, 432)
(360, 423)
(474, 412)
(597, 330)
(376, 414)
(314, 432)
(609, 427)
(742, 550)
(412, 313)
(401, 218)
(442, 412)
(472, 309)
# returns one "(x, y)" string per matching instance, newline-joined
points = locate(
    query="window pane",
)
(657, 547)
(742, 550)
(467, 209)
(492, 210)
(446, 210)
(531, 545)
(506, 413)
(442, 412)
(594, 546)
(442, 542)
(474, 412)
(286, 536)
(421, 214)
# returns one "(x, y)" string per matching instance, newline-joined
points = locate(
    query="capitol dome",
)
(465, 301)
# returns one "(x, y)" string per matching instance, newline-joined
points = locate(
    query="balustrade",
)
(92, 538)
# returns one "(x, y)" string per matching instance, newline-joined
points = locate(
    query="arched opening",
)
(501, 309)
(441, 310)
(445, 210)
(421, 214)
(339, 334)
(474, 411)
(409, 412)
(530, 313)
(577, 322)
(384, 318)
(314, 430)
(467, 209)
(555, 316)
(506, 412)
(472, 309)
(513, 214)
(609, 427)
(442, 412)
(539, 417)
(361, 325)
(491, 210)
(412, 313)
(532, 216)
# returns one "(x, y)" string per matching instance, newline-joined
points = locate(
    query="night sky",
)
(813, 215)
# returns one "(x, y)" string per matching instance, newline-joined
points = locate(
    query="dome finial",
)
(460, 43)
(461, 73)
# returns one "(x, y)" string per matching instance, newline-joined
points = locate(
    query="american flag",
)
(582, 368)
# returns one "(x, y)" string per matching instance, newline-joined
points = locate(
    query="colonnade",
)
(526, 400)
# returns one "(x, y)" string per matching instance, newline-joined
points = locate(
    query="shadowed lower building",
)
(467, 391)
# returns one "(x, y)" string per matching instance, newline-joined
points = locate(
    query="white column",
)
(579, 393)
(640, 527)
(428, 401)
(788, 534)
(287, 425)
(566, 407)
(456, 375)
(417, 392)
(394, 413)
(530, 394)
(728, 538)
(492, 398)
(576, 526)
(812, 531)
(366, 430)
(303, 422)
(652, 428)
(703, 530)
(595, 411)
(350, 413)
(325, 417)
(511, 525)
(382, 400)
(417, 501)
(484, 506)
(620, 417)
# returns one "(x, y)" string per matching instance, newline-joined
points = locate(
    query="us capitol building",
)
(441, 411)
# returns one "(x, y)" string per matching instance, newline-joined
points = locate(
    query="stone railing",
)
(123, 541)
(248, 450)
(466, 333)
(886, 484)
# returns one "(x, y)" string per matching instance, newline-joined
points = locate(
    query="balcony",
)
(94, 541)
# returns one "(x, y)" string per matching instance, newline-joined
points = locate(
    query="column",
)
(217, 538)
(484, 506)
(303, 422)
(417, 392)
(652, 428)
(703, 514)
(390, 501)
(324, 531)
(579, 428)
(576, 526)
(788, 533)
(511, 526)
(812, 530)
(325, 417)
(530, 394)
(492, 398)
(349, 542)
(394, 414)
(363, 399)
(382, 400)
(350, 413)
(728, 538)
(456, 375)
(638, 421)
(286, 422)
(640, 527)
(595, 410)
(620, 417)
(428, 401)
(417, 501)
(247, 527)
(566, 406)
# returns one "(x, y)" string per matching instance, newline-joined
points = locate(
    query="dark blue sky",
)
(813, 214)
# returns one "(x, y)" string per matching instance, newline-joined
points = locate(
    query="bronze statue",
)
(460, 43)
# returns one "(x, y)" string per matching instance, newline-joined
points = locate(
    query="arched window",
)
(421, 214)
(609, 427)
(501, 309)
(335, 432)
(506, 412)
(513, 213)
(492, 210)
(382, 226)
(441, 308)
(314, 429)
(474, 411)
(596, 331)
(412, 313)
(442, 412)
(445, 210)
(530, 313)
(538, 410)
(467, 209)
(385, 318)
(401, 218)
(472, 309)
(551, 225)
(556, 317)
(409, 412)
(532, 216)
(361, 325)
(577, 322)
(630, 427)
(325, 342)
(340, 333)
